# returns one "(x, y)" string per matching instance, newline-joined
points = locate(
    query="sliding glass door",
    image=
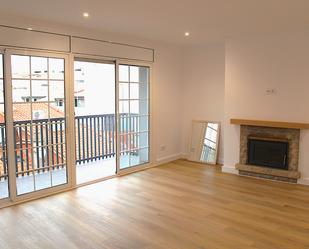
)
(133, 115)
(95, 124)
(41, 112)
(36, 86)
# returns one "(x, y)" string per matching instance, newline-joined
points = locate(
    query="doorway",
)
(95, 119)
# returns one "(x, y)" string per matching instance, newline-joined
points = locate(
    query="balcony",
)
(40, 151)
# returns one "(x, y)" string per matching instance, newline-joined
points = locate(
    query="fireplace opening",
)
(271, 153)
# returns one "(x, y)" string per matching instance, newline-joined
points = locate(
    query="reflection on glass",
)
(209, 150)
(42, 181)
(124, 73)
(38, 101)
(39, 90)
(134, 74)
(21, 111)
(56, 90)
(134, 107)
(139, 157)
(21, 90)
(134, 91)
(56, 69)
(124, 106)
(134, 119)
(123, 90)
(20, 67)
(38, 68)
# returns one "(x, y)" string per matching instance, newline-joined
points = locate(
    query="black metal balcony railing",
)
(95, 137)
(42, 148)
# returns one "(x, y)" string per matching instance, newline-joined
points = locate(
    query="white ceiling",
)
(167, 20)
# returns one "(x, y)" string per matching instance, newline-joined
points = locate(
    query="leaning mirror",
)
(204, 142)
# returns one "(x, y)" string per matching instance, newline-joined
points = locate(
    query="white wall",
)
(253, 65)
(167, 102)
(203, 89)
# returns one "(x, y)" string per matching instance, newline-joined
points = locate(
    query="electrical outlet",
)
(271, 91)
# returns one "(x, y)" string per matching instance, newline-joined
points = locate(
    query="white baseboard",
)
(168, 159)
(229, 169)
(304, 181)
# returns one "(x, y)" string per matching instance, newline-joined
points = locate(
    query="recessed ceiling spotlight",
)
(187, 34)
(86, 14)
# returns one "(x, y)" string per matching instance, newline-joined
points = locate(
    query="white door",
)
(36, 106)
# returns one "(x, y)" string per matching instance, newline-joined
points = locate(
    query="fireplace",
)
(272, 153)
(269, 152)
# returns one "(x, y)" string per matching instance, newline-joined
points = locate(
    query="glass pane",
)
(143, 123)
(124, 160)
(42, 179)
(143, 139)
(1, 92)
(21, 91)
(56, 69)
(124, 123)
(137, 120)
(56, 90)
(39, 111)
(134, 91)
(123, 91)
(22, 112)
(1, 65)
(20, 67)
(134, 106)
(39, 90)
(3, 160)
(139, 157)
(139, 107)
(39, 151)
(25, 184)
(124, 73)
(38, 68)
(124, 106)
(143, 107)
(134, 74)
(24, 175)
(4, 191)
(125, 141)
(59, 176)
(2, 114)
(56, 110)
(143, 91)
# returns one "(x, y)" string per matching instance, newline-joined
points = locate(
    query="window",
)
(79, 101)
